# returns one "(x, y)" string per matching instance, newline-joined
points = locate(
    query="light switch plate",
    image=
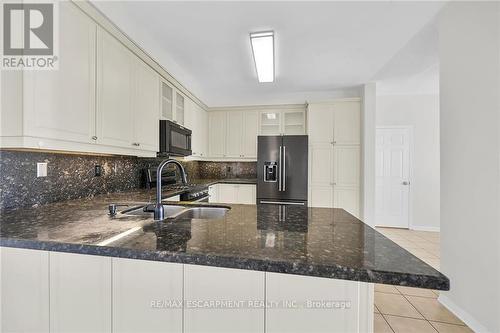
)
(41, 169)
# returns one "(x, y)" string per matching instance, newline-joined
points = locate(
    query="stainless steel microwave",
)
(174, 139)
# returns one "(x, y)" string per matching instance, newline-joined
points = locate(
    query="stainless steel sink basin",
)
(170, 210)
(176, 211)
(203, 213)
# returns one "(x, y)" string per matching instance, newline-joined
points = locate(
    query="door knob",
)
(405, 183)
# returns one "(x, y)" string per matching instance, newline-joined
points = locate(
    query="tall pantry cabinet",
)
(334, 154)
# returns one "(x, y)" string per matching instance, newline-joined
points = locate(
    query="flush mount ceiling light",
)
(263, 54)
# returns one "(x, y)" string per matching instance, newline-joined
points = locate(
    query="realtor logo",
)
(28, 36)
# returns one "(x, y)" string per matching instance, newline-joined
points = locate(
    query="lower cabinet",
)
(147, 296)
(310, 304)
(80, 293)
(61, 292)
(24, 290)
(212, 296)
(233, 193)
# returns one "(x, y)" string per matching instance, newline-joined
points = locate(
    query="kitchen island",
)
(257, 268)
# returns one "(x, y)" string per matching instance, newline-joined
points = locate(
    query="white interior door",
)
(392, 177)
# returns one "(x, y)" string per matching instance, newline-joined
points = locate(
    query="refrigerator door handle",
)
(284, 168)
(279, 173)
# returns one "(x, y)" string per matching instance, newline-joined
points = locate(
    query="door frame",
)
(410, 129)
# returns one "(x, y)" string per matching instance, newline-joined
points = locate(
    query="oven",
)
(175, 140)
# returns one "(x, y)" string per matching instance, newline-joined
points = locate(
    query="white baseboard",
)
(421, 228)
(462, 314)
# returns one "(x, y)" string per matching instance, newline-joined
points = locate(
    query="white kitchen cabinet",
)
(167, 101)
(235, 126)
(196, 119)
(179, 108)
(233, 134)
(250, 133)
(60, 104)
(317, 304)
(217, 121)
(204, 284)
(334, 162)
(347, 197)
(246, 194)
(115, 86)
(282, 122)
(146, 107)
(347, 123)
(140, 292)
(25, 290)
(213, 193)
(346, 167)
(80, 293)
(233, 194)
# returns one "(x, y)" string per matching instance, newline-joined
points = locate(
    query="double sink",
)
(178, 211)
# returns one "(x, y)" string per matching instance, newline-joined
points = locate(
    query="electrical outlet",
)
(97, 170)
(41, 169)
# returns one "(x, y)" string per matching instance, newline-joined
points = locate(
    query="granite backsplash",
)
(72, 176)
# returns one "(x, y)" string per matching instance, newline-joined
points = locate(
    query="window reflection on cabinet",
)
(179, 109)
(166, 101)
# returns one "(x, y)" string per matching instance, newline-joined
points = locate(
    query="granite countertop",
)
(317, 242)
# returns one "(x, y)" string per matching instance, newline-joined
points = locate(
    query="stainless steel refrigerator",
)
(282, 169)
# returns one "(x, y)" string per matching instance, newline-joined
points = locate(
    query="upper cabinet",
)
(105, 97)
(115, 86)
(283, 122)
(196, 119)
(59, 104)
(128, 102)
(233, 134)
(335, 123)
(172, 104)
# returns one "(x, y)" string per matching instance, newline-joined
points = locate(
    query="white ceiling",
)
(323, 49)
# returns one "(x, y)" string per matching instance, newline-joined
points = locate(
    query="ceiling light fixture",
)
(263, 54)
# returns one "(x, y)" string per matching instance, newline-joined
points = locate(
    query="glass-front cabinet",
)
(172, 104)
(282, 122)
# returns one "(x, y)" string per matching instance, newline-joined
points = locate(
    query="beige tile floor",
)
(408, 310)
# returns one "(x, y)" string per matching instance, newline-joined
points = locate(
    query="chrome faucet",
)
(159, 211)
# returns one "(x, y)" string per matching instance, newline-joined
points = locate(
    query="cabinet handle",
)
(94, 137)
(136, 144)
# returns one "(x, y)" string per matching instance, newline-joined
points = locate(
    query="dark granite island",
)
(265, 267)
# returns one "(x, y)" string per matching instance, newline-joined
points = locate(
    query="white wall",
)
(368, 115)
(470, 161)
(421, 112)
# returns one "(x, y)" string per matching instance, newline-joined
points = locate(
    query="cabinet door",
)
(234, 133)
(208, 284)
(246, 194)
(179, 109)
(321, 164)
(217, 133)
(321, 196)
(347, 198)
(213, 193)
(80, 293)
(60, 104)
(141, 290)
(227, 193)
(320, 123)
(146, 108)
(270, 123)
(25, 290)
(293, 123)
(346, 165)
(115, 118)
(283, 288)
(347, 123)
(167, 104)
(250, 133)
(203, 125)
